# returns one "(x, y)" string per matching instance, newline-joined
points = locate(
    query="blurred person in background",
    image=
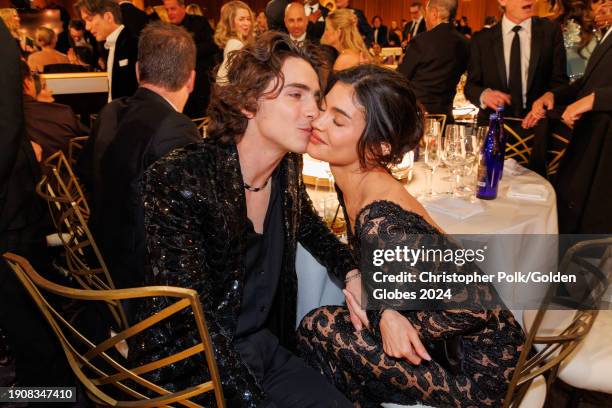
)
(194, 9)
(46, 40)
(297, 23)
(316, 14)
(395, 35)
(13, 23)
(416, 25)
(341, 32)
(380, 32)
(362, 22)
(234, 30)
(133, 18)
(261, 24)
(207, 54)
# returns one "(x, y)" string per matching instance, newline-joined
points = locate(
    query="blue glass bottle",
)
(491, 161)
(502, 137)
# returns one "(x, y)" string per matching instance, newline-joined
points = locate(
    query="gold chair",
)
(201, 124)
(519, 141)
(546, 350)
(103, 373)
(75, 145)
(64, 182)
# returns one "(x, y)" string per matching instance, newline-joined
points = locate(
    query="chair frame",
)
(75, 144)
(556, 348)
(520, 149)
(83, 362)
(201, 124)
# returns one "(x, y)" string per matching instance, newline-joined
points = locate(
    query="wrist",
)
(352, 275)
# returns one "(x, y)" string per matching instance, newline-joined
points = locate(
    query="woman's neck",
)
(354, 182)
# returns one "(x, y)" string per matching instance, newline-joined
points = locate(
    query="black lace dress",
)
(490, 341)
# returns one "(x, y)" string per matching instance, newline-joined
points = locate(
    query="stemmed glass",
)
(472, 149)
(454, 154)
(431, 153)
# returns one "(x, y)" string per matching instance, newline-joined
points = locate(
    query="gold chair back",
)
(102, 371)
(201, 124)
(519, 141)
(75, 145)
(554, 349)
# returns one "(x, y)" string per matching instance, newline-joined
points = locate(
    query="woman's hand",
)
(400, 338)
(575, 111)
(352, 293)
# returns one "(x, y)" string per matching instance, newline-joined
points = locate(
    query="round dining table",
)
(525, 207)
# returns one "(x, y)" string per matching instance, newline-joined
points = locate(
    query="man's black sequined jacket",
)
(195, 219)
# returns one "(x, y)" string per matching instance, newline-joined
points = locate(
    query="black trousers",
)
(286, 380)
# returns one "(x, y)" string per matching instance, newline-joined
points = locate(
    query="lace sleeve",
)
(386, 226)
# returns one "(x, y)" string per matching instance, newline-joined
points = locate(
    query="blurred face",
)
(242, 22)
(337, 130)
(76, 35)
(377, 23)
(518, 10)
(286, 120)
(16, 20)
(394, 25)
(342, 4)
(295, 20)
(176, 11)
(261, 20)
(100, 26)
(331, 36)
(415, 13)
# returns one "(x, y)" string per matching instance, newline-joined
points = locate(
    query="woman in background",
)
(261, 25)
(46, 39)
(463, 353)
(235, 29)
(13, 23)
(576, 20)
(341, 32)
(194, 9)
(395, 35)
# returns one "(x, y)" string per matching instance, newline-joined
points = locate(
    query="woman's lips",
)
(315, 139)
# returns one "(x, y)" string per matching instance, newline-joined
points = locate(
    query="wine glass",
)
(454, 154)
(431, 156)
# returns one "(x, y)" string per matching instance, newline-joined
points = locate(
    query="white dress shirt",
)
(606, 34)
(300, 39)
(308, 9)
(525, 39)
(110, 43)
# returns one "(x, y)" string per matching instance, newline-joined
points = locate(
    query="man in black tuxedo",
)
(362, 23)
(103, 19)
(584, 192)
(435, 60)
(130, 135)
(380, 33)
(38, 357)
(416, 25)
(316, 14)
(207, 55)
(515, 62)
(51, 125)
(133, 18)
(297, 23)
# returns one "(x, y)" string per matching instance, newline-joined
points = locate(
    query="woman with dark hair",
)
(457, 356)
(576, 19)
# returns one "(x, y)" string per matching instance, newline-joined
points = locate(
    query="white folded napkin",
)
(454, 207)
(512, 168)
(528, 191)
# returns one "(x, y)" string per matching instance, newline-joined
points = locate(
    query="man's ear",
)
(247, 114)
(191, 81)
(137, 72)
(109, 18)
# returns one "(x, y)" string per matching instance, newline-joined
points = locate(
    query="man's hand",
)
(575, 111)
(494, 99)
(400, 338)
(538, 110)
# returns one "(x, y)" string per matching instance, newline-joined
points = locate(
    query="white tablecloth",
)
(503, 215)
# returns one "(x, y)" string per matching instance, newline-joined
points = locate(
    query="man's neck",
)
(258, 157)
(176, 99)
(515, 20)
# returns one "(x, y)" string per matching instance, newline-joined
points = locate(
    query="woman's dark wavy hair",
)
(250, 72)
(392, 113)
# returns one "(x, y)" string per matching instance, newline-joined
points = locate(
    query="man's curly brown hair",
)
(250, 71)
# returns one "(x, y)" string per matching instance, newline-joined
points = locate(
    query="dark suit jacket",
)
(583, 184)
(434, 62)
(208, 55)
(410, 26)
(133, 18)
(487, 68)
(51, 125)
(131, 134)
(124, 81)
(316, 30)
(20, 208)
(383, 35)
